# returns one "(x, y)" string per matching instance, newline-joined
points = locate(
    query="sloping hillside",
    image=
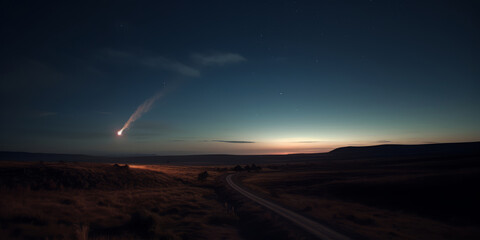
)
(393, 150)
(54, 176)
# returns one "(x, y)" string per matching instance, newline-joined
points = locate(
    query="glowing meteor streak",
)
(143, 108)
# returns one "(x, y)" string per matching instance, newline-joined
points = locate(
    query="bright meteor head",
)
(143, 108)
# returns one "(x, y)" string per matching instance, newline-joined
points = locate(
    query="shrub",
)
(203, 176)
(238, 168)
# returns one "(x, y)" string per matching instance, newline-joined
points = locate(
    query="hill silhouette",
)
(395, 150)
(388, 150)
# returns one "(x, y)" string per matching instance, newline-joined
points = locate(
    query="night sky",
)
(237, 77)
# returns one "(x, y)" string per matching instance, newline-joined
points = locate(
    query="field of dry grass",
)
(377, 198)
(431, 198)
(103, 201)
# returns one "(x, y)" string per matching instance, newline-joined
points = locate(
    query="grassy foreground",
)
(106, 201)
(382, 198)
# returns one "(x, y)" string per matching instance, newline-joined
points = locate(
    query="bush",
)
(255, 167)
(203, 176)
(238, 168)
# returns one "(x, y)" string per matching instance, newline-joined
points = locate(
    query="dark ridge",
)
(389, 150)
(213, 159)
(394, 150)
(220, 159)
(46, 157)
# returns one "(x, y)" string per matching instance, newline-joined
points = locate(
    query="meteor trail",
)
(143, 108)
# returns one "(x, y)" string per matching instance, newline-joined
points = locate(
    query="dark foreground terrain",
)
(106, 201)
(382, 192)
(382, 198)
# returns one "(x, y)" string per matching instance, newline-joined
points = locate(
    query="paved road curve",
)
(313, 227)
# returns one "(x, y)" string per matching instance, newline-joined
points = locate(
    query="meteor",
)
(143, 108)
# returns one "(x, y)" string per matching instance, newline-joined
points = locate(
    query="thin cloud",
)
(306, 142)
(384, 141)
(174, 66)
(160, 62)
(218, 59)
(226, 141)
(157, 62)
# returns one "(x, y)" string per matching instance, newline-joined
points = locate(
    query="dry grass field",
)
(410, 198)
(389, 195)
(106, 201)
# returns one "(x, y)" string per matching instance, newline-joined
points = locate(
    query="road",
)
(309, 225)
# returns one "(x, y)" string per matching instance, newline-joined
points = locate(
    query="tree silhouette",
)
(238, 168)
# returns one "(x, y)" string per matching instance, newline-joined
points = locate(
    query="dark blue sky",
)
(242, 77)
